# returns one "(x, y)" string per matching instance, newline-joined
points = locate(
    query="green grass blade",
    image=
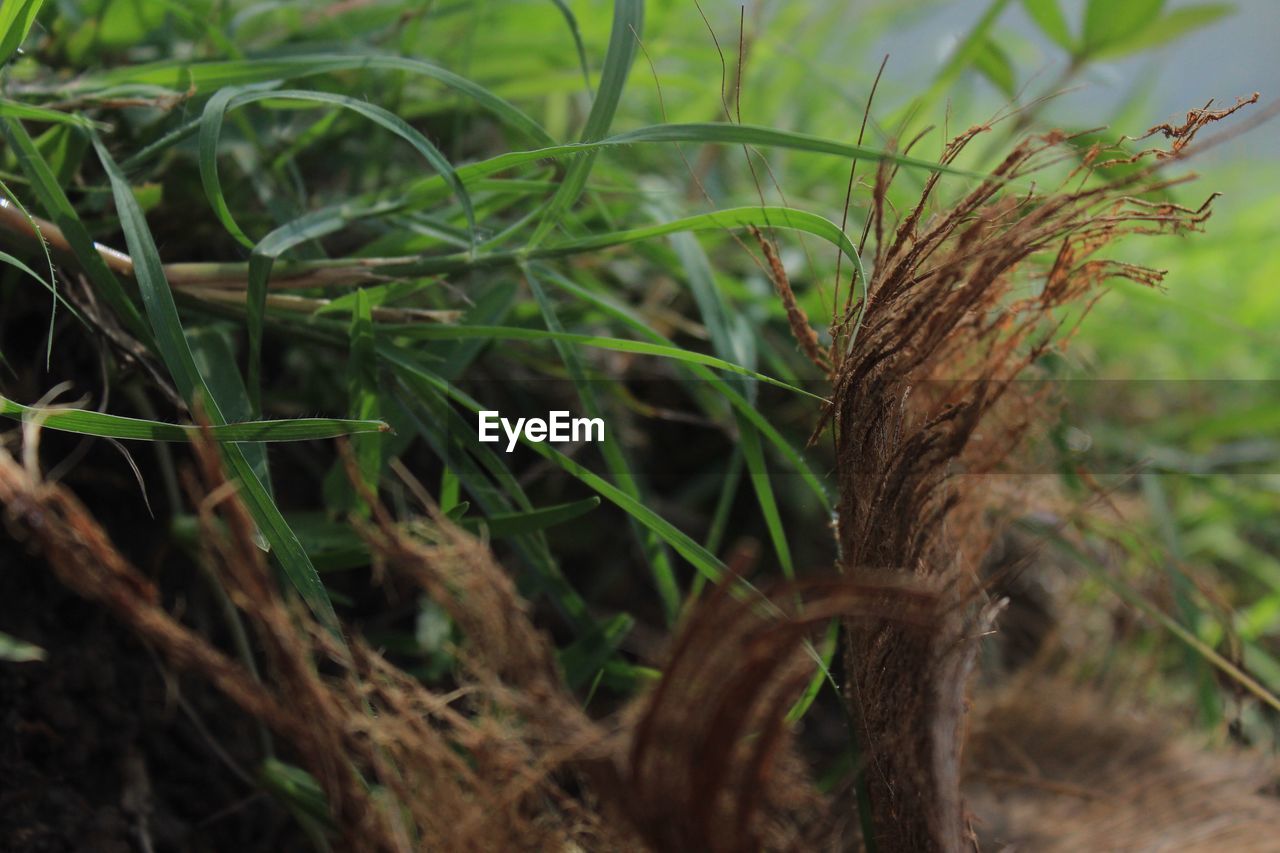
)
(13, 650)
(362, 392)
(209, 76)
(683, 544)
(585, 658)
(699, 132)
(229, 99)
(506, 524)
(620, 469)
(715, 316)
(85, 422)
(213, 350)
(572, 23)
(624, 37)
(788, 218)
(1136, 600)
(768, 137)
(157, 299)
(16, 18)
(739, 403)
(311, 226)
(964, 55)
(51, 284)
(58, 208)
(13, 109)
(445, 430)
(513, 333)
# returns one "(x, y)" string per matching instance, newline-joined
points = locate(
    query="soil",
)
(103, 748)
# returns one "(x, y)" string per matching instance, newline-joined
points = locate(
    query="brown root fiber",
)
(401, 768)
(962, 302)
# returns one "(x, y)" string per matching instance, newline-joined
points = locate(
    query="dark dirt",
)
(102, 748)
(96, 749)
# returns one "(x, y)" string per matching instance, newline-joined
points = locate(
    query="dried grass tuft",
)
(963, 300)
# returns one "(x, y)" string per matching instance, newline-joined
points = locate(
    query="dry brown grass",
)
(924, 392)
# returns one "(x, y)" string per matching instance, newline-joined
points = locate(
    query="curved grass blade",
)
(206, 76)
(514, 333)
(84, 422)
(788, 218)
(326, 221)
(615, 458)
(14, 109)
(719, 133)
(58, 208)
(572, 22)
(681, 542)
(226, 100)
(16, 18)
(624, 37)
(51, 284)
(531, 521)
(311, 226)
(13, 650)
(739, 403)
(157, 299)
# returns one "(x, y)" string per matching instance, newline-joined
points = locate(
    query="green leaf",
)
(572, 23)
(85, 422)
(1107, 22)
(16, 18)
(230, 99)
(994, 64)
(58, 208)
(18, 651)
(1048, 16)
(513, 333)
(13, 109)
(582, 660)
(628, 29)
(507, 524)
(682, 543)
(715, 313)
(740, 404)
(362, 396)
(1178, 23)
(208, 76)
(620, 469)
(213, 351)
(157, 298)
(453, 440)
(965, 54)
(787, 218)
(310, 226)
(298, 790)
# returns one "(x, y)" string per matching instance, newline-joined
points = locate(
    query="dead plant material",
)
(1183, 134)
(962, 301)
(804, 334)
(1056, 768)
(710, 765)
(474, 769)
